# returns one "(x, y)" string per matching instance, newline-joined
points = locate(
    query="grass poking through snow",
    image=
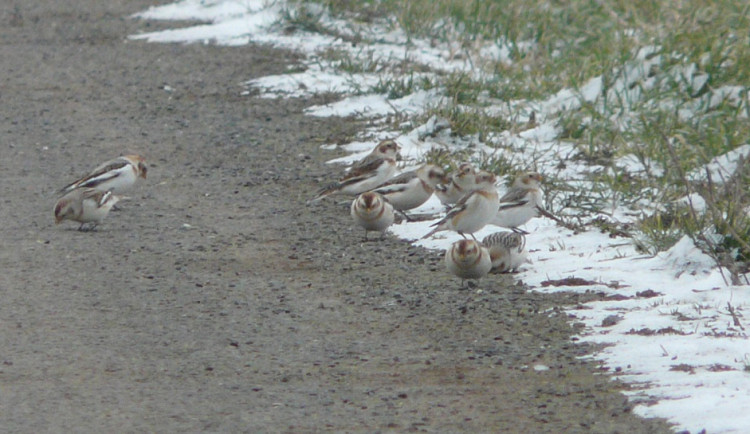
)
(671, 96)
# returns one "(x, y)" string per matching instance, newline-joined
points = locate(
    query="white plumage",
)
(467, 259)
(373, 213)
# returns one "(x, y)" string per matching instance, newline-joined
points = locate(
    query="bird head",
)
(484, 178)
(431, 174)
(465, 248)
(529, 179)
(62, 210)
(370, 200)
(140, 163)
(388, 149)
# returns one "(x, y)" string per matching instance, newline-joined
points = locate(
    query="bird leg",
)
(90, 228)
(406, 216)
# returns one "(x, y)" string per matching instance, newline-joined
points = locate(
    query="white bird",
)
(461, 182)
(468, 259)
(473, 211)
(85, 205)
(507, 250)
(118, 175)
(411, 189)
(520, 204)
(376, 168)
(372, 212)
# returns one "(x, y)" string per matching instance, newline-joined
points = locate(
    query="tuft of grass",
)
(446, 159)
(400, 86)
(304, 17)
(469, 121)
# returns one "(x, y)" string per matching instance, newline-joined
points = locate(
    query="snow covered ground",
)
(673, 325)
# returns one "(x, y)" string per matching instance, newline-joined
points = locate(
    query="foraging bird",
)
(85, 205)
(372, 212)
(376, 168)
(473, 211)
(468, 259)
(411, 189)
(460, 183)
(520, 203)
(118, 175)
(507, 250)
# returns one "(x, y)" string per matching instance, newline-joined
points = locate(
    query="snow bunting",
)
(467, 259)
(119, 174)
(520, 203)
(507, 250)
(460, 183)
(376, 168)
(372, 212)
(411, 189)
(85, 205)
(473, 211)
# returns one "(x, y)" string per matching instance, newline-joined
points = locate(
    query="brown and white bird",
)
(473, 211)
(85, 205)
(468, 259)
(520, 204)
(372, 212)
(376, 168)
(461, 182)
(411, 189)
(507, 250)
(118, 175)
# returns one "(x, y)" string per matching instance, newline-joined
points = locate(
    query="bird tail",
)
(429, 234)
(326, 191)
(67, 189)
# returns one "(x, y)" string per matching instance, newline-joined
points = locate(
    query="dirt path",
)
(217, 300)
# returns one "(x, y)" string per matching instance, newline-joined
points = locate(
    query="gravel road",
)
(216, 299)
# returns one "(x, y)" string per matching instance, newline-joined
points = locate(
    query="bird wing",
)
(100, 197)
(366, 161)
(457, 208)
(401, 179)
(514, 198)
(398, 184)
(364, 171)
(103, 173)
(387, 189)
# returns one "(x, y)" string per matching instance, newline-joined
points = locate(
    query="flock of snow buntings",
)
(470, 194)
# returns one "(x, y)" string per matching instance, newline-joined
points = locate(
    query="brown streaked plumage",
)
(473, 211)
(507, 250)
(118, 174)
(85, 205)
(372, 212)
(459, 184)
(520, 203)
(377, 167)
(411, 189)
(468, 259)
